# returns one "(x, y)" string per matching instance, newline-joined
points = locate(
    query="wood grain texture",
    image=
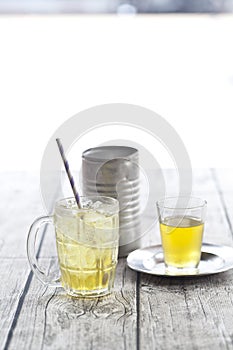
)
(187, 313)
(144, 312)
(191, 313)
(20, 204)
(13, 277)
(50, 319)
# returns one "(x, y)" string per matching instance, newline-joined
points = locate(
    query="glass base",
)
(88, 293)
(178, 271)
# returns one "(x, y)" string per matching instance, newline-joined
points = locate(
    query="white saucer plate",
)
(214, 259)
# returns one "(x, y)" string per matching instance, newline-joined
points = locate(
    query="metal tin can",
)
(113, 171)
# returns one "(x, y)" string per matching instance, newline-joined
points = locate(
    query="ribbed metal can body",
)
(113, 171)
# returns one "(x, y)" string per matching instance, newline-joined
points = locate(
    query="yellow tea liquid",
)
(87, 257)
(182, 240)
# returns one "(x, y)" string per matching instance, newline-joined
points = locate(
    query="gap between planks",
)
(138, 282)
(22, 296)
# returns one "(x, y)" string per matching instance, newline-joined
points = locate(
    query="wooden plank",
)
(123, 301)
(188, 313)
(20, 204)
(217, 228)
(193, 313)
(174, 313)
(51, 320)
(13, 276)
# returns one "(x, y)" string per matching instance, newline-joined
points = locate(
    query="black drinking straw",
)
(66, 164)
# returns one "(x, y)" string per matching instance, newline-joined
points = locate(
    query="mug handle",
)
(31, 252)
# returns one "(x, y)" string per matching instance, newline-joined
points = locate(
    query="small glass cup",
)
(181, 221)
(87, 245)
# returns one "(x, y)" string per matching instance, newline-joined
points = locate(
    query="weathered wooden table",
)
(144, 312)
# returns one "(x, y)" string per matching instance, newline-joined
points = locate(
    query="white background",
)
(52, 67)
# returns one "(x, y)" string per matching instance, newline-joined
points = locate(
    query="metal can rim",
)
(87, 155)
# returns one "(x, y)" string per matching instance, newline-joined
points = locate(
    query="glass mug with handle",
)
(87, 245)
(181, 221)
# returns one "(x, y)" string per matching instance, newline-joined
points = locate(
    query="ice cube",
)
(97, 205)
(93, 218)
(87, 204)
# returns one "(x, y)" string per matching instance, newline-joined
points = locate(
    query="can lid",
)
(109, 152)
